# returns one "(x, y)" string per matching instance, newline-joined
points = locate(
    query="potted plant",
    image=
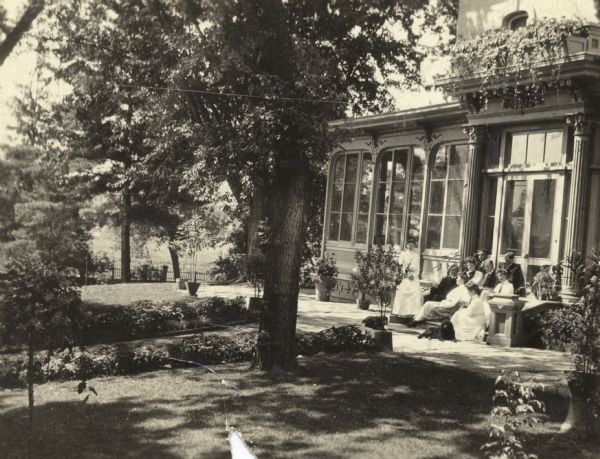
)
(583, 418)
(360, 279)
(324, 276)
(382, 276)
(544, 285)
(191, 238)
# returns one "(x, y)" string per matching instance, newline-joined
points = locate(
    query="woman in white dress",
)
(408, 297)
(470, 322)
(504, 286)
(445, 308)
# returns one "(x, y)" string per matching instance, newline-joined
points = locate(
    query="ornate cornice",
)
(476, 134)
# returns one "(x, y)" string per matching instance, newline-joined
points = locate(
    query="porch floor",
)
(547, 366)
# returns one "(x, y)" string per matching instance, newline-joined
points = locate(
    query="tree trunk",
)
(30, 370)
(276, 346)
(175, 261)
(126, 237)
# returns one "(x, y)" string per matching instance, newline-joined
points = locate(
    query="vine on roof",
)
(511, 63)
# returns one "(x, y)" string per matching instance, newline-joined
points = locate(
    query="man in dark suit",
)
(515, 274)
(489, 275)
(439, 292)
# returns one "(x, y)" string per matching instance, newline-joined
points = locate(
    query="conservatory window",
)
(535, 147)
(444, 216)
(350, 195)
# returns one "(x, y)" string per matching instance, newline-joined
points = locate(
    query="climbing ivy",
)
(510, 64)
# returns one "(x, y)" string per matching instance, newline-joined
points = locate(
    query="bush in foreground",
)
(202, 350)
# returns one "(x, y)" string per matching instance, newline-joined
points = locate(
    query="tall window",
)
(446, 197)
(391, 194)
(349, 204)
(417, 185)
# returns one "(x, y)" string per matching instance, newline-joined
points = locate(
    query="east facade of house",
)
(468, 174)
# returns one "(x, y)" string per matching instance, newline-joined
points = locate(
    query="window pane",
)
(514, 216)
(336, 197)
(413, 227)
(346, 227)
(419, 158)
(398, 197)
(454, 200)
(493, 159)
(338, 170)
(383, 198)
(367, 169)
(518, 149)
(334, 226)
(458, 161)
(400, 160)
(535, 148)
(414, 216)
(451, 232)
(351, 168)
(379, 231)
(542, 209)
(395, 230)
(440, 164)
(361, 228)
(349, 197)
(363, 200)
(385, 170)
(434, 232)
(436, 197)
(553, 153)
(487, 235)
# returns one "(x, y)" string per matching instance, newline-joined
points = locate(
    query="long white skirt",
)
(468, 328)
(408, 298)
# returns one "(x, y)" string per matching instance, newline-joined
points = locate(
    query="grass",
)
(124, 294)
(372, 405)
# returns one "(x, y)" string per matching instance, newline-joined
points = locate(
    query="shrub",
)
(229, 268)
(515, 407)
(202, 349)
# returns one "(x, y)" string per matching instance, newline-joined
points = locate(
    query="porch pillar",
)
(472, 192)
(577, 207)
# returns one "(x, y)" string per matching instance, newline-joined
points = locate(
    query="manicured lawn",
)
(365, 405)
(123, 294)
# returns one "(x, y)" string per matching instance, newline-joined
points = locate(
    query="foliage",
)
(515, 407)
(512, 59)
(585, 344)
(347, 338)
(39, 302)
(546, 286)
(378, 273)
(200, 350)
(325, 272)
(228, 268)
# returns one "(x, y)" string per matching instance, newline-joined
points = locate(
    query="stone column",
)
(578, 205)
(472, 192)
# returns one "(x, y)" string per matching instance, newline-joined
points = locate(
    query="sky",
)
(19, 69)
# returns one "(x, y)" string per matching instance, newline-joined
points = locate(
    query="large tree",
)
(11, 34)
(262, 78)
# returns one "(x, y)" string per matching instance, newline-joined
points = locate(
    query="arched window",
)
(350, 196)
(516, 20)
(399, 194)
(444, 216)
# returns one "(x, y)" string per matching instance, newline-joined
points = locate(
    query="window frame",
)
(441, 251)
(357, 186)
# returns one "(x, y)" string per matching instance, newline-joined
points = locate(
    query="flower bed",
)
(200, 350)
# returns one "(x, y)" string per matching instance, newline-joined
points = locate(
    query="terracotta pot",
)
(384, 340)
(363, 303)
(580, 421)
(321, 294)
(179, 284)
(192, 287)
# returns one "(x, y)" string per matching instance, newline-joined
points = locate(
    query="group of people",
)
(460, 296)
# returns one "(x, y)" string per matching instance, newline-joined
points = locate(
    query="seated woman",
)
(439, 292)
(408, 297)
(444, 309)
(504, 286)
(473, 274)
(470, 321)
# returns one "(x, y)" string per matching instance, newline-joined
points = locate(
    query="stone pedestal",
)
(506, 324)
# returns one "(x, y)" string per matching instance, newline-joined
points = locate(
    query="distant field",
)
(123, 294)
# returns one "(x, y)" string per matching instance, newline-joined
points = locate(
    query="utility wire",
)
(232, 94)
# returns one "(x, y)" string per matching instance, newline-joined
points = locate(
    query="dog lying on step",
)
(445, 332)
(374, 322)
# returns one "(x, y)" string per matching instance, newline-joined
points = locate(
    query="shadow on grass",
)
(371, 405)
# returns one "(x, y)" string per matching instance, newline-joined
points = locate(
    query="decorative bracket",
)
(429, 139)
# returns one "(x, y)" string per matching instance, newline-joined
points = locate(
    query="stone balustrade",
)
(506, 324)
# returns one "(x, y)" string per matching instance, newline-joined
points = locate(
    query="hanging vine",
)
(510, 64)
